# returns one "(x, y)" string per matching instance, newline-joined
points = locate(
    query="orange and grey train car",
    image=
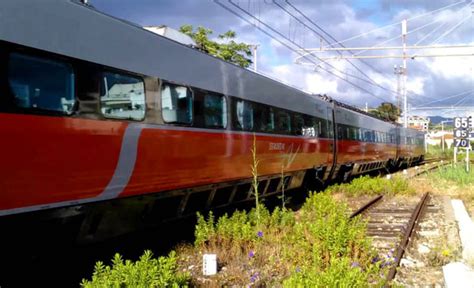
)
(103, 120)
(364, 143)
(411, 147)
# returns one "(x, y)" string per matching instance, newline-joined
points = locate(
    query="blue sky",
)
(430, 80)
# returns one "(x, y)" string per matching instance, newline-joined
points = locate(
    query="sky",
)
(432, 82)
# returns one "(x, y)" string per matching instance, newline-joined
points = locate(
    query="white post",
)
(442, 135)
(426, 143)
(468, 149)
(455, 154)
(405, 105)
(255, 57)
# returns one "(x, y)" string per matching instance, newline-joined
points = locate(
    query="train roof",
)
(73, 29)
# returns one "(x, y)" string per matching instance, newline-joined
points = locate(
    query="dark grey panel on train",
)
(352, 118)
(72, 29)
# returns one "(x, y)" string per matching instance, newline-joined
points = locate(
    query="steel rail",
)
(366, 206)
(406, 237)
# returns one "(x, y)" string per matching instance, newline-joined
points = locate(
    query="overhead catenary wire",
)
(316, 64)
(451, 29)
(324, 31)
(397, 23)
(287, 45)
(463, 100)
(319, 66)
(399, 36)
(449, 97)
(301, 48)
(317, 33)
(430, 33)
(325, 39)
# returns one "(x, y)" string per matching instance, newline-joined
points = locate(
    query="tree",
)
(226, 49)
(387, 111)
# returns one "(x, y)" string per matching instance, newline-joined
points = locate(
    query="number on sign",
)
(461, 142)
(457, 122)
(460, 133)
(462, 122)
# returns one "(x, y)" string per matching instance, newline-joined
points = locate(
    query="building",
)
(418, 122)
(172, 34)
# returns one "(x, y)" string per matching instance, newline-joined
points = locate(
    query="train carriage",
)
(108, 126)
(364, 143)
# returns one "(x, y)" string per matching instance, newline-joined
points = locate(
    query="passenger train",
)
(106, 126)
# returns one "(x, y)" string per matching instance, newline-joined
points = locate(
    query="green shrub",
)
(313, 247)
(146, 272)
(240, 227)
(340, 273)
(367, 185)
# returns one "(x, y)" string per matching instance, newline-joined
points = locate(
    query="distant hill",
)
(437, 119)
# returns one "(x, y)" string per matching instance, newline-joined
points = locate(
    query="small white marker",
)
(405, 172)
(209, 264)
(389, 176)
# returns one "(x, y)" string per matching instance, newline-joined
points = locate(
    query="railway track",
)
(391, 225)
(425, 167)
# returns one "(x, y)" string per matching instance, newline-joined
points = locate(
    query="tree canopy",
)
(387, 111)
(226, 49)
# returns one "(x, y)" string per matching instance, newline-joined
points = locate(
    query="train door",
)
(332, 136)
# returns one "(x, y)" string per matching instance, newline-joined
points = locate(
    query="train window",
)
(176, 104)
(282, 122)
(244, 115)
(215, 111)
(311, 126)
(298, 125)
(340, 132)
(366, 135)
(122, 96)
(354, 133)
(329, 132)
(264, 118)
(41, 84)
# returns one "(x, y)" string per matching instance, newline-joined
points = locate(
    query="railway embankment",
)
(319, 245)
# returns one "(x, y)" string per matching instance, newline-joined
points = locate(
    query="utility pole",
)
(405, 108)
(397, 70)
(254, 47)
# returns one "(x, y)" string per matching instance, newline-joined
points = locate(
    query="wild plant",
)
(146, 272)
(254, 168)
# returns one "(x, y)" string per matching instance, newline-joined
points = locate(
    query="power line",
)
(398, 23)
(295, 44)
(284, 44)
(451, 29)
(450, 96)
(324, 31)
(317, 33)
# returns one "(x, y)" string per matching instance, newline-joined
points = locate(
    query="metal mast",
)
(405, 106)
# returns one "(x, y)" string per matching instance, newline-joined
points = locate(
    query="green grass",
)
(435, 151)
(454, 173)
(367, 185)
